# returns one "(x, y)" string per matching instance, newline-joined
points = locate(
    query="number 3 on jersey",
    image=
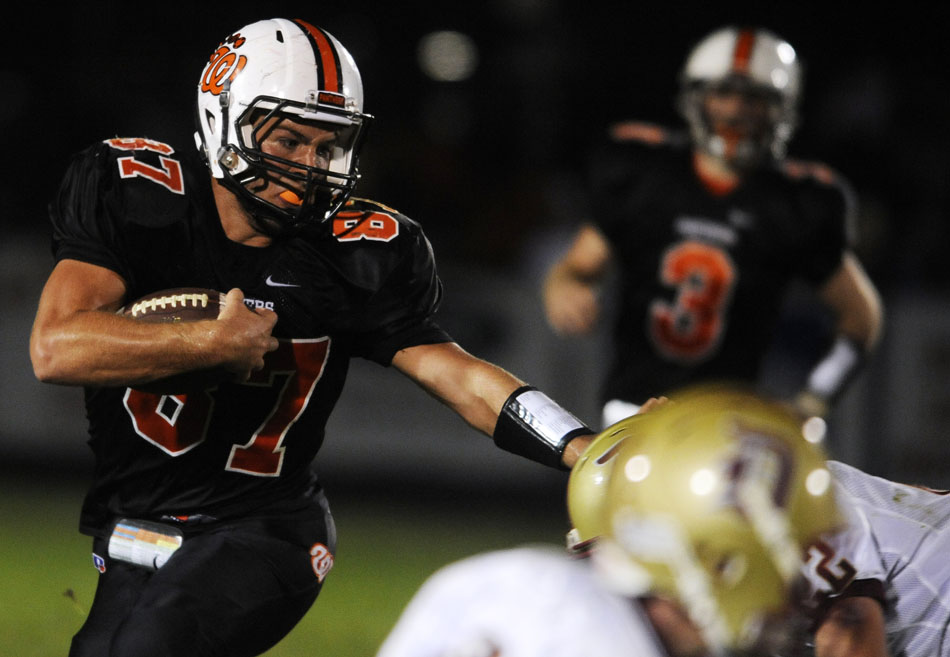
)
(689, 329)
(178, 423)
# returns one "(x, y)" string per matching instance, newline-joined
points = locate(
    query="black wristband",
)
(532, 425)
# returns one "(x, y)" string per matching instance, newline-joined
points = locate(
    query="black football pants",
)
(234, 590)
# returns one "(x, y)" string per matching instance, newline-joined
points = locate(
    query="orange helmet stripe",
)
(745, 41)
(330, 75)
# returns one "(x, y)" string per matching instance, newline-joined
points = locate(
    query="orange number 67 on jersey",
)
(178, 423)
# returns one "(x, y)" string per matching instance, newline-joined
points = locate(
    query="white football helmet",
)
(292, 70)
(752, 61)
(711, 502)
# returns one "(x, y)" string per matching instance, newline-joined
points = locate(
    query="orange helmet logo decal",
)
(223, 65)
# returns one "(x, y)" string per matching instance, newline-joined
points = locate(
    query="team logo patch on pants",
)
(322, 560)
(98, 562)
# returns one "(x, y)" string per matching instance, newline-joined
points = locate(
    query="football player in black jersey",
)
(210, 530)
(707, 230)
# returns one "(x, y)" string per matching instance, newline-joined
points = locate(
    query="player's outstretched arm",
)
(492, 400)
(570, 287)
(78, 339)
(853, 627)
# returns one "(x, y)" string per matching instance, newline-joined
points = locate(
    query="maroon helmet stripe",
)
(330, 76)
(743, 51)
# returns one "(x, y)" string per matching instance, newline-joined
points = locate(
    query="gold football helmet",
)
(587, 485)
(713, 505)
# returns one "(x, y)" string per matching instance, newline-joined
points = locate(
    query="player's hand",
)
(244, 335)
(651, 404)
(807, 405)
(572, 307)
(574, 449)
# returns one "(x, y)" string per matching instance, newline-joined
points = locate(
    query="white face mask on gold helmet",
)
(751, 61)
(711, 502)
(286, 69)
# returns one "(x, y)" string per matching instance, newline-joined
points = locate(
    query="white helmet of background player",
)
(755, 62)
(283, 68)
(711, 502)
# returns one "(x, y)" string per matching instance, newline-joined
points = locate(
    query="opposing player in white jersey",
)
(884, 582)
(529, 600)
(881, 585)
(710, 503)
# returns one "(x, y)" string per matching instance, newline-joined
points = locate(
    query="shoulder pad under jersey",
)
(148, 178)
(377, 246)
(647, 133)
(361, 219)
(822, 184)
(828, 196)
(807, 170)
(628, 152)
(111, 187)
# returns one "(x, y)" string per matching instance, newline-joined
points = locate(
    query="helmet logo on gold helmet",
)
(223, 65)
(761, 461)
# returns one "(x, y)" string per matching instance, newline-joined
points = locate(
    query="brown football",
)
(180, 304)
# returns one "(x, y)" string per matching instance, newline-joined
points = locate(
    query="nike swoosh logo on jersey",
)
(271, 282)
(741, 219)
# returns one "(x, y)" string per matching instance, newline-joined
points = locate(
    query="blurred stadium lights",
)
(447, 56)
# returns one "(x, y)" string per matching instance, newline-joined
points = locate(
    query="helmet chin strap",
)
(246, 175)
(263, 217)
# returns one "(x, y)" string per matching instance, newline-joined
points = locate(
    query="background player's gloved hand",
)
(572, 306)
(808, 404)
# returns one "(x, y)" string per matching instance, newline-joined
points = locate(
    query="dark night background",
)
(489, 165)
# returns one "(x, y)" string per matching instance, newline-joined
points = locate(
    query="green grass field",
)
(387, 547)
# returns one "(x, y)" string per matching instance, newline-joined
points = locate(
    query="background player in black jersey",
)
(211, 532)
(707, 230)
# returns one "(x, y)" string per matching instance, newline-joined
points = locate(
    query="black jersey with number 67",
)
(703, 274)
(362, 284)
